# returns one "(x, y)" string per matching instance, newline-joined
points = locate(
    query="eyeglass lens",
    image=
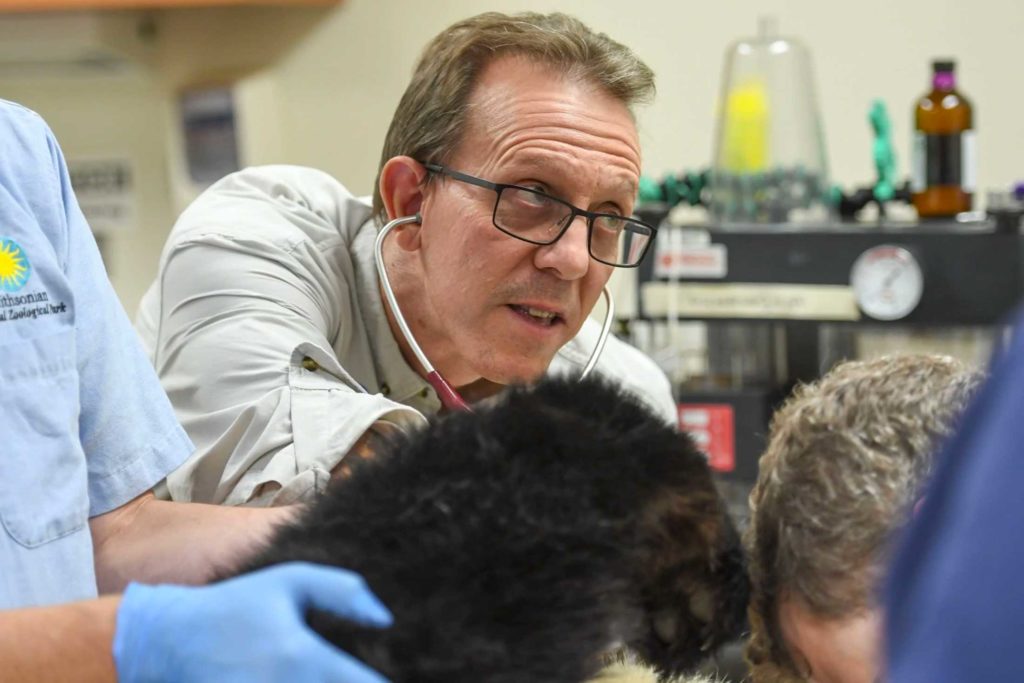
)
(538, 218)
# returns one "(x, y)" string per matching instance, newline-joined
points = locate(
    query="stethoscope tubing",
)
(447, 394)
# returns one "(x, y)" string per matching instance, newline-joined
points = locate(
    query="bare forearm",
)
(155, 541)
(64, 644)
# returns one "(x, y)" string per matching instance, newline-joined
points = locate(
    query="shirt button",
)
(385, 389)
(310, 364)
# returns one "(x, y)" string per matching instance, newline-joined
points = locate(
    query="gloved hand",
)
(248, 629)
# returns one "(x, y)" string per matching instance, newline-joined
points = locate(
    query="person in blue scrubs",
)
(85, 433)
(955, 595)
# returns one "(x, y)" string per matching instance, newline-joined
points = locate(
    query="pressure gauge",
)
(887, 282)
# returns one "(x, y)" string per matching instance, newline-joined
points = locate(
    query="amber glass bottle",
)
(943, 161)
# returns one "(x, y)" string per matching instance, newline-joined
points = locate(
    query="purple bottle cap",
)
(943, 74)
(1018, 191)
(944, 80)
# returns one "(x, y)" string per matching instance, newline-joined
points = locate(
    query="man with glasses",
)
(516, 146)
(538, 218)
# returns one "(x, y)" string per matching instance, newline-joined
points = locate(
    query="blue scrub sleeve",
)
(127, 427)
(955, 596)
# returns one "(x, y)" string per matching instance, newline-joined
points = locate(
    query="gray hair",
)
(846, 460)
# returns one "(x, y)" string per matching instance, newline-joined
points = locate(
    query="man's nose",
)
(569, 257)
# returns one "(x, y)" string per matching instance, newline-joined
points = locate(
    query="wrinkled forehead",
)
(510, 88)
(530, 113)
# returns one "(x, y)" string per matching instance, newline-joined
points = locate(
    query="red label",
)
(712, 426)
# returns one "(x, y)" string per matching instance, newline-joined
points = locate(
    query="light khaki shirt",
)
(267, 329)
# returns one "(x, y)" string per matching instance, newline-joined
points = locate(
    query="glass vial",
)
(943, 157)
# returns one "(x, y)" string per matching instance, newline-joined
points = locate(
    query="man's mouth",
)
(537, 315)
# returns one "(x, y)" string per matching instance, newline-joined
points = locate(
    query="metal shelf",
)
(973, 275)
(799, 279)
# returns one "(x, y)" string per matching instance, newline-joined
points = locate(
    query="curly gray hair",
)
(845, 461)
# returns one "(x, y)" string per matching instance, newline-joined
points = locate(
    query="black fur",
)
(519, 543)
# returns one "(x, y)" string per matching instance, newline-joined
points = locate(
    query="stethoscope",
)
(450, 398)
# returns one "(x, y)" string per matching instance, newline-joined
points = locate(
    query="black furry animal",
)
(522, 542)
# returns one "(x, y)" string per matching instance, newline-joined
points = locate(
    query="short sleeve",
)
(128, 430)
(283, 325)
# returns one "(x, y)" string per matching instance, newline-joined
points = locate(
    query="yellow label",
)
(747, 300)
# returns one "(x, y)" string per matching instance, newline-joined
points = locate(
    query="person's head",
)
(843, 469)
(538, 101)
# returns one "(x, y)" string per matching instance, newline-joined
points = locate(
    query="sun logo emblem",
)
(14, 266)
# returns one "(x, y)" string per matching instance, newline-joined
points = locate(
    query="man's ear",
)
(401, 186)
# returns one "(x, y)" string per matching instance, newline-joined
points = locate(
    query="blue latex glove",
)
(248, 629)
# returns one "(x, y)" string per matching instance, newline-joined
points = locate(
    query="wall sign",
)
(106, 192)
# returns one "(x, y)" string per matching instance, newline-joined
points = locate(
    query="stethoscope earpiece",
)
(449, 397)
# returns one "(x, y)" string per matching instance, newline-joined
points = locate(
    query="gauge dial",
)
(887, 282)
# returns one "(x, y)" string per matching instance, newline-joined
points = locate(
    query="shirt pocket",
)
(43, 475)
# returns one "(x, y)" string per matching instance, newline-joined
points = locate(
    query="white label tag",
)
(689, 254)
(918, 162)
(748, 300)
(702, 262)
(968, 161)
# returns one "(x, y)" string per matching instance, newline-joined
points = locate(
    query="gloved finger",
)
(339, 591)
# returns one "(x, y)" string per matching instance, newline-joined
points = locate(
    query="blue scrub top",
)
(84, 424)
(955, 597)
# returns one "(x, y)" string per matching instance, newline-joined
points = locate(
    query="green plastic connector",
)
(650, 190)
(883, 152)
(834, 195)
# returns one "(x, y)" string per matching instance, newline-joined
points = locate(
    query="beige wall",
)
(338, 88)
(123, 117)
(328, 96)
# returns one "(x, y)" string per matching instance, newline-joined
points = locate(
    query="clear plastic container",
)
(769, 162)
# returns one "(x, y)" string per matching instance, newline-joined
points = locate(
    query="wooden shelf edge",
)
(80, 5)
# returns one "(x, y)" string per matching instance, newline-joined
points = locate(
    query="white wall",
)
(328, 96)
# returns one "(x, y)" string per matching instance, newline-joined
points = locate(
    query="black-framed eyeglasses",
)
(538, 218)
